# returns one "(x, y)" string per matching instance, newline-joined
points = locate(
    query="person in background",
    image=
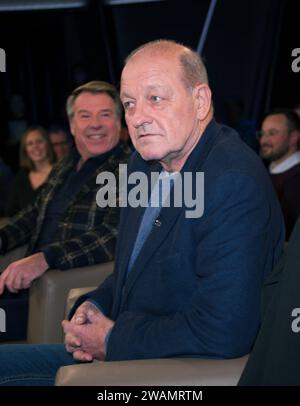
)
(60, 142)
(36, 162)
(279, 145)
(297, 110)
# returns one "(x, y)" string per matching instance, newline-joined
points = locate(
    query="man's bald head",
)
(193, 69)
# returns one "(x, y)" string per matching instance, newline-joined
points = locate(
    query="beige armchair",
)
(155, 372)
(47, 308)
(48, 294)
(47, 300)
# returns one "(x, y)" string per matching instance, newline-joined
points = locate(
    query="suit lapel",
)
(166, 219)
(129, 224)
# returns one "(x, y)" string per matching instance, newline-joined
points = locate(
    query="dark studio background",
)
(247, 53)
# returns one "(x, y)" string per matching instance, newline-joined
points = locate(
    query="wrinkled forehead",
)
(148, 71)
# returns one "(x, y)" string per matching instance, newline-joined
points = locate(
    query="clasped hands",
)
(85, 333)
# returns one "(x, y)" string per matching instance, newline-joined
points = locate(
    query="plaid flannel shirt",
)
(86, 234)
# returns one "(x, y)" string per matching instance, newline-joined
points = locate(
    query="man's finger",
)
(10, 279)
(92, 314)
(3, 277)
(13, 283)
(80, 318)
(67, 326)
(17, 282)
(70, 328)
(72, 340)
(25, 285)
(70, 348)
(82, 356)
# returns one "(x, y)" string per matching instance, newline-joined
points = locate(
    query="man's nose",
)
(95, 122)
(140, 116)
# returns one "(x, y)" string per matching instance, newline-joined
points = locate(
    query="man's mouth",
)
(95, 137)
(146, 135)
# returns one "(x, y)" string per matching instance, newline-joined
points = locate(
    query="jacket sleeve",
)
(102, 296)
(12, 205)
(19, 230)
(94, 246)
(221, 318)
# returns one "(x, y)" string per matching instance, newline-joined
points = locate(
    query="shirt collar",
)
(288, 163)
(96, 160)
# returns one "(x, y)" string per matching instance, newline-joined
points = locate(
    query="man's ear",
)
(202, 94)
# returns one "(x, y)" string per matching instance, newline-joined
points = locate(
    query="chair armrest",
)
(47, 300)
(156, 372)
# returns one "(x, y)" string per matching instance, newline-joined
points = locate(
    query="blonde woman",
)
(36, 161)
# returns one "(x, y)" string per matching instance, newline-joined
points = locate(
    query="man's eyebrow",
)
(82, 111)
(148, 89)
(124, 94)
(88, 111)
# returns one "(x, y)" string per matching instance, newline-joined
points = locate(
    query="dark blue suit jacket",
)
(195, 288)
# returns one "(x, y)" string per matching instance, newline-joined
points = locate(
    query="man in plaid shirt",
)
(65, 228)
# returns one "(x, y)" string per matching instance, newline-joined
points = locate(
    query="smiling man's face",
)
(94, 125)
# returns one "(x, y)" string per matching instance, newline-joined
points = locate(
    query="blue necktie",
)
(147, 222)
(159, 195)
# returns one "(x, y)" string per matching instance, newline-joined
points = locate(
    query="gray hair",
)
(94, 87)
